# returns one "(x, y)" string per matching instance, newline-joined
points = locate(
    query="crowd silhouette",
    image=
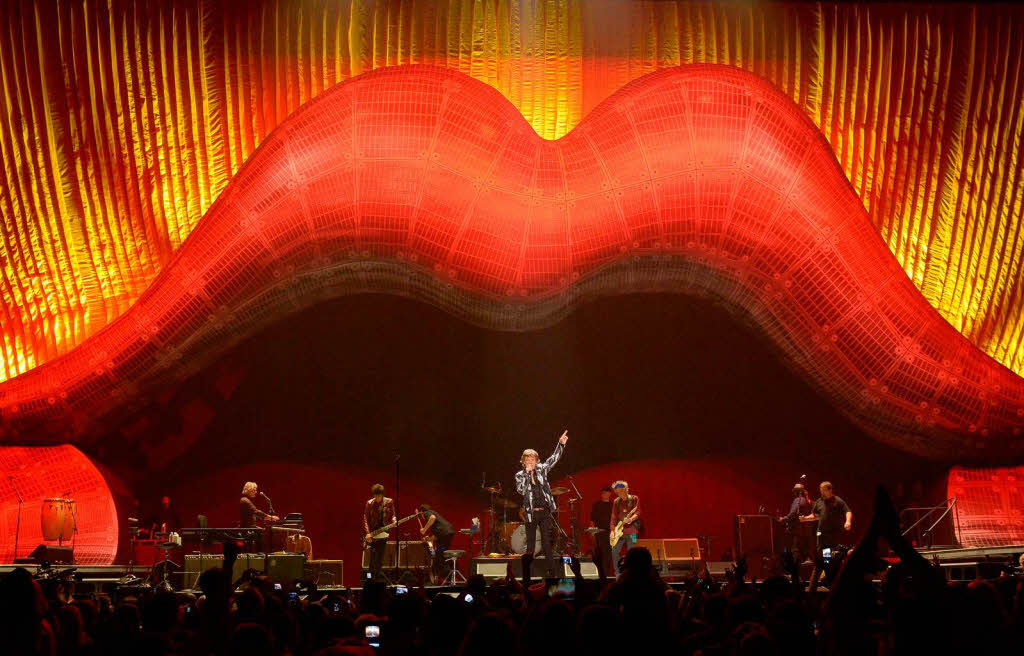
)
(912, 610)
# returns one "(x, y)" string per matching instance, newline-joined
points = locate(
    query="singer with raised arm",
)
(533, 482)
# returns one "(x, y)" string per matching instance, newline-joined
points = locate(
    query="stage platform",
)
(954, 554)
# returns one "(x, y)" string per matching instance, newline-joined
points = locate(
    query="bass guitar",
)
(616, 533)
(382, 532)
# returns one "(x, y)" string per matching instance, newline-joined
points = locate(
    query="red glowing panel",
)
(989, 505)
(423, 182)
(55, 472)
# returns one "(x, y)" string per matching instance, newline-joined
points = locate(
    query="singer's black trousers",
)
(542, 519)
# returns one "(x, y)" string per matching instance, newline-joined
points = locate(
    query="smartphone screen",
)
(564, 588)
(373, 634)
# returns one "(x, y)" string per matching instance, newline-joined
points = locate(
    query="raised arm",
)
(553, 458)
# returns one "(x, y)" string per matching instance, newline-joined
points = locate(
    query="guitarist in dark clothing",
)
(379, 511)
(443, 534)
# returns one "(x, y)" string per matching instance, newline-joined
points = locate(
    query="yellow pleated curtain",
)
(121, 122)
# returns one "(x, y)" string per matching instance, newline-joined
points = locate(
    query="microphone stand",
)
(574, 518)
(270, 504)
(398, 489)
(17, 526)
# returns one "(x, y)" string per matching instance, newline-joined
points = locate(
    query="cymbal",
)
(555, 491)
(494, 489)
(505, 503)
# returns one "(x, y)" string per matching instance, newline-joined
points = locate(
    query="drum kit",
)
(506, 525)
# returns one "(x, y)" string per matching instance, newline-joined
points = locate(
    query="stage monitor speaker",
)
(496, 568)
(755, 539)
(285, 567)
(52, 554)
(325, 573)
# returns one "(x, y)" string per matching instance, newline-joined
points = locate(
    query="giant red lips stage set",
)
(423, 182)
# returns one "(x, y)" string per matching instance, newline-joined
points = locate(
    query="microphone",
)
(264, 495)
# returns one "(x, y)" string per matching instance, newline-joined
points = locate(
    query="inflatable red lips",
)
(422, 182)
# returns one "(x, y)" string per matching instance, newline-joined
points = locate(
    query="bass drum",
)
(518, 541)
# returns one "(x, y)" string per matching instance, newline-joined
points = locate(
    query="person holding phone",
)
(533, 483)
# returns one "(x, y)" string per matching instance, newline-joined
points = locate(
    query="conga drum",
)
(57, 519)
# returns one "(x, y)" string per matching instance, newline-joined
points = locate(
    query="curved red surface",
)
(55, 471)
(423, 182)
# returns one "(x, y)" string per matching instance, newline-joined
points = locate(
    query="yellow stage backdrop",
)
(121, 122)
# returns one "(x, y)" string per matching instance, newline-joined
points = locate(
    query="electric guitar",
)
(616, 533)
(382, 532)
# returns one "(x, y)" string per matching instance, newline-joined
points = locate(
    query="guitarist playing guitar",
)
(379, 511)
(625, 521)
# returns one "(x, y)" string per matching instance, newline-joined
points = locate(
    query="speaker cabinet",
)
(196, 565)
(285, 567)
(412, 553)
(755, 539)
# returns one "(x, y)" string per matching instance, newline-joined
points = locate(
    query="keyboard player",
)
(249, 516)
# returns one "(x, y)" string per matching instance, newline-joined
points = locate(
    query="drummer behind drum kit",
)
(506, 533)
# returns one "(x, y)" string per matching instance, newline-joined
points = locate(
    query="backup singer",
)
(379, 511)
(625, 509)
(443, 533)
(601, 519)
(538, 502)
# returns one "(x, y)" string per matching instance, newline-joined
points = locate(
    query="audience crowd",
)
(871, 607)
